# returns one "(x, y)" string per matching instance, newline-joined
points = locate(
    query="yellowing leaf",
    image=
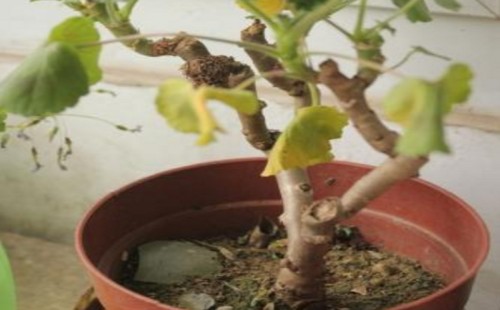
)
(306, 140)
(420, 106)
(185, 108)
(268, 7)
(241, 100)
(405, 100)
(206, 122)
(456, 85)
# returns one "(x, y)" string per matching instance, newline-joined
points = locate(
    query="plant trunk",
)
(310, 231)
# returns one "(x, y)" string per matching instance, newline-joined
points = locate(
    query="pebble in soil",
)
(359, 276)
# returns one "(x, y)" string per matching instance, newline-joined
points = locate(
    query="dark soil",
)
(359, 276)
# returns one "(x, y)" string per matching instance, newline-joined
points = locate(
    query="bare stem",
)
(351, 93)
(299, 280)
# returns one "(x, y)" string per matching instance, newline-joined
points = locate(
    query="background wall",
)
(48, 203)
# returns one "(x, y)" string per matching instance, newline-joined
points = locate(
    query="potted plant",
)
(64, 68)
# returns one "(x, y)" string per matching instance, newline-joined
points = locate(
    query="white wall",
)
(49, 203)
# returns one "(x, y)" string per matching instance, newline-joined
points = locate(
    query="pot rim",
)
(471, 272)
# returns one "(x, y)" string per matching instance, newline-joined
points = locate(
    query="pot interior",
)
(414, 219)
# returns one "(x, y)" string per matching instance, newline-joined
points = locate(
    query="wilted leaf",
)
(360, 289)
(306, 140)
(8, 298)
(192, 301)
(48, 81)
(420, 107)
(263, 234)
(185, 108)
(76, 31)
(170, 262)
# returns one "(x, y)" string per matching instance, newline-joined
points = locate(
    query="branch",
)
(298, 279)
(266, 64)
(254, 126)
(371, 186)
(350, 91)
(182, 45)
(378, 181)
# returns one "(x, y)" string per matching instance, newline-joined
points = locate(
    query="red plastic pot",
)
(414, 218)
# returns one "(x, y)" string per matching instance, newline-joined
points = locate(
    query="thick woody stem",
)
(254, 126)
(266, 64)
(309, 233)
(378, 181)
(300, 280)
(372, 185)
(351, 93)
(183, 46)
(296, 192)
(223, 71)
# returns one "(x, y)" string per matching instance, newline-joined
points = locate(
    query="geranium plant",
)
(65, 67)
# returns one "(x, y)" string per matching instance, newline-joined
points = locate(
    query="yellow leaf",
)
(306, 140)
(268, 7)
(185, 107)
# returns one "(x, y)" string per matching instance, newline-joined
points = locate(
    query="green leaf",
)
(7, 292)
(3, 117)
(420, 106)
(419, 12)
(306, 140)
(76, 31)
(49, 80)
(185, 108)
(452, 5)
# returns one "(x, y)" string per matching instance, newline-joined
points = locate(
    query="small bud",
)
(53, 132)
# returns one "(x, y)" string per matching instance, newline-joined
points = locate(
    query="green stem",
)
(281, 73)
(113, 13)
(366, 63)
(304, 24)
(90, 117)
(269, 51)
(358, 30)
(127, 9)
(315, 100)
(340, 29)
